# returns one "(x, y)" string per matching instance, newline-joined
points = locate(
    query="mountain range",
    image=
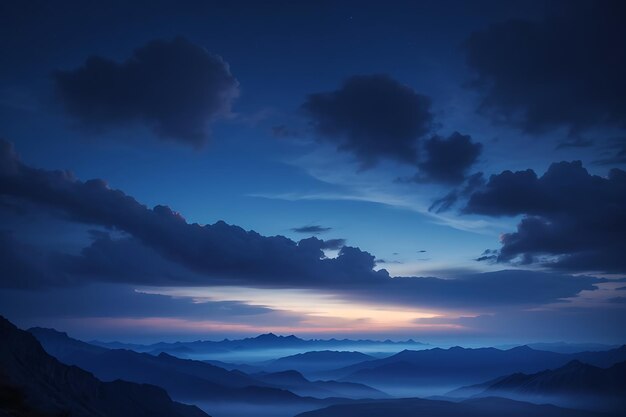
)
(34, 384)
(483, 407)
(192, 380)
(45, 372)
(317, 362)
(409, 373)
(295, 382)
(264, 341)
(575, 384)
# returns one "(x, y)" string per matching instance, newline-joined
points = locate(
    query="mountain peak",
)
(273, 336)
(48, 332)
(523, 348)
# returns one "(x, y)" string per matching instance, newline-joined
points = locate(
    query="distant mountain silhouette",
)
(192, 380)
(460, 366)
(484, 407)
(182, 378)
(576, 385)
(317, 361)
(264, 341)
(295, 382)
(33, 383)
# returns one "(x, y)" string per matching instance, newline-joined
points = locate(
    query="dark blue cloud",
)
(479, 290)
(447, 160)
(565, 70)
(375, 118)
(463, 191)
(615, 154)
(601, 323)
(572, 220)
(314, 229)
(223, 250)
(176, 88)
(158, 247)
(372, 116)
(97, 300)
(334, 244)
(488, 255)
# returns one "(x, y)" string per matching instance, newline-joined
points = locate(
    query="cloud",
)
(374, 117)
(175, 87)
(617, 154)
(447, 160)
(480, 291)
(158, 247)
(314, 229)
(445, 203)
(385, 261)
(25, 266)
(572, 220)
(490, 255)
(334, 244)
(604, 324)
(96, 300)
(574, 142)
(109, 311)
(127, 260)
(563, 71)
(218, 250)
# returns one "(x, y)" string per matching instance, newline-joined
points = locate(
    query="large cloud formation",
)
(572, 220)
(375, 117)
(372, 116)
(566, 70)
(176, 88)
(158, 247)
(219, 249)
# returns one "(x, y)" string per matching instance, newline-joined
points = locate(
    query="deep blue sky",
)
(375, 126)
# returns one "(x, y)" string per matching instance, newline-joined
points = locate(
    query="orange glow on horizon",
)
(316, 312)
(169, 324)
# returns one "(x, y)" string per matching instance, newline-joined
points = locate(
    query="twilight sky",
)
(448, 171)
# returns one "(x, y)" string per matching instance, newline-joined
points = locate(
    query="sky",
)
(447, 171)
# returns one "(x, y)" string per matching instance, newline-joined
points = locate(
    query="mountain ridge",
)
(35, 381)
(463, 366)
(574, 384)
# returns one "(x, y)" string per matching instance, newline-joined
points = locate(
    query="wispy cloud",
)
(377, 186)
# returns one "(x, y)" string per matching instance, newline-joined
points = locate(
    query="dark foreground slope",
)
(574, 385)
(33, 383)
(484, 407)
